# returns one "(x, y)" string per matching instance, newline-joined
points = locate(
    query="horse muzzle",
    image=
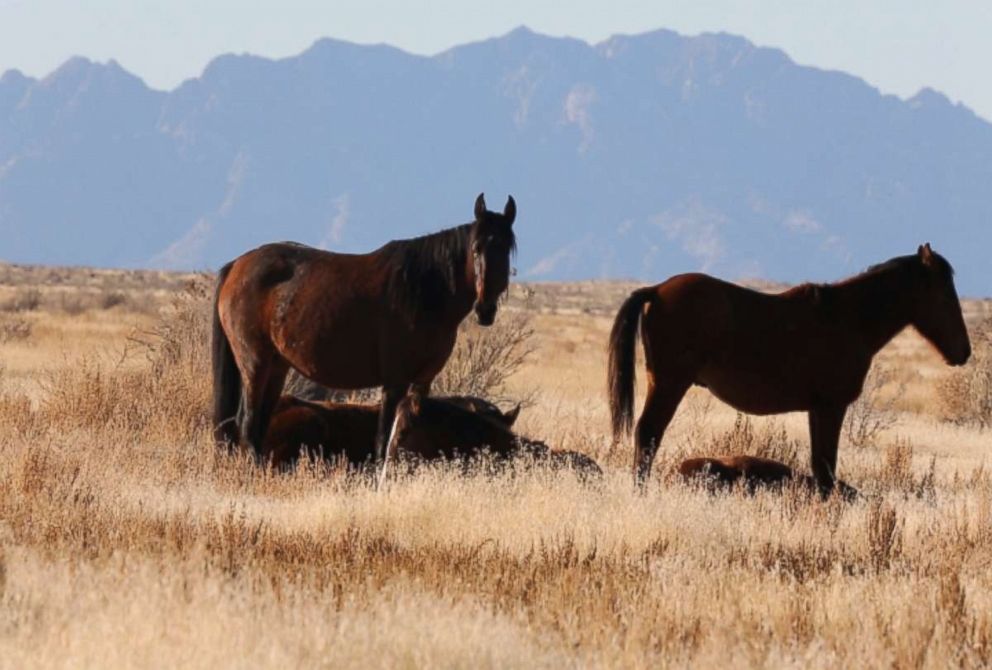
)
(485, 313)
(962, 357)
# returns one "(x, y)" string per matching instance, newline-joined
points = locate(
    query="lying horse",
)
(433, 429)
(753, 472)
(346, 430)
(807, 349)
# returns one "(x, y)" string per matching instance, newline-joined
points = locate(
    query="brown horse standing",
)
(387, 318)
(807, 349)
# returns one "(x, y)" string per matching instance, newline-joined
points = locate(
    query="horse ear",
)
(511, 417)
(415, 404)
(510, 211)
(480, 207)
(925, 253)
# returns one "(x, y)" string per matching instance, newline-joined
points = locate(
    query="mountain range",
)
(638, 157)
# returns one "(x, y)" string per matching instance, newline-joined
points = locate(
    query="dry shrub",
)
(885, 531)
(25, 300)
(692, 422)
(171, 397)
(112, 299)
(14, 329)
(71, 303)
(770, 441)
(873, 412)
(485, 358)
(966, 394)
(896, 472)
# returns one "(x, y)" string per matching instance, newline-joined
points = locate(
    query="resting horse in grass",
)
(807, 349)
(387, 318)
(753, 472)
(345, 430)
(432, 429)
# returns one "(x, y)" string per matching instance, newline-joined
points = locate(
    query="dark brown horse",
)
(345, 431)
(753, 472)
(807, 349)
(386, 318)
(435, 430)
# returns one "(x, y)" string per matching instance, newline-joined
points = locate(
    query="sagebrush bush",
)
(14, 329)
(873, 412)
(25, 300)
(484, 358)
(171, 396)
(770, 441)
(966, 394)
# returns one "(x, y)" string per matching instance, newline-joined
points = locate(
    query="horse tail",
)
(227, 378)
(622, 375)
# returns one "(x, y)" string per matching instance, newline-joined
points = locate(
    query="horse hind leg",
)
(659, 408)
(261, 394)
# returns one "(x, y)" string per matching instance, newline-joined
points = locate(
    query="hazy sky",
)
(896, 45)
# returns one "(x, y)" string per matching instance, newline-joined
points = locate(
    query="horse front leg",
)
(824, 433)
(391, 396)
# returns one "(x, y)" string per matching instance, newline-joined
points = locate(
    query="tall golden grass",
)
(127, 540)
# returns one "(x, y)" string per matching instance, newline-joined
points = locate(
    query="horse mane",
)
(903, 262)
(910, 263)
(876, 282)
(424, 270)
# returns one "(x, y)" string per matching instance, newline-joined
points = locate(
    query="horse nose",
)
(965, 355)
(486, 314)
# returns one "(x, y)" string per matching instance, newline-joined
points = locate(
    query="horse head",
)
(937, 310)
(492, 243)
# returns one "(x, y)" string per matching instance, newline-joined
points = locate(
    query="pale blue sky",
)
(896, 45)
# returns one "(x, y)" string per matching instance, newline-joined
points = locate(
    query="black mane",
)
(905, 262)
(424, 270)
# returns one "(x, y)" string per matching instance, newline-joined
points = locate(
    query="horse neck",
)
(881, 303)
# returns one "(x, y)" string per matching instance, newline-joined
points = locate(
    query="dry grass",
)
(126, 540)
(966, 396)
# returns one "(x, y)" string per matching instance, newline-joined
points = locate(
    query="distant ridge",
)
(637, 157)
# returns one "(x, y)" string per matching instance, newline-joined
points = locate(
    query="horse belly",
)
(755, 393)
(340, 358)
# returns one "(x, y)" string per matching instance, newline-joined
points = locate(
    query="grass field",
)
(126, 540)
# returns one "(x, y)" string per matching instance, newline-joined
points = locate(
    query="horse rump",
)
(226, 376)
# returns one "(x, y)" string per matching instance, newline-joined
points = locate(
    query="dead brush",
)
(171, 397)
(884, 529)
(873, 412)
(965, 395)
(485, 358)
(24, 300)
(770, 441)
(14, 329)
(895, 472)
